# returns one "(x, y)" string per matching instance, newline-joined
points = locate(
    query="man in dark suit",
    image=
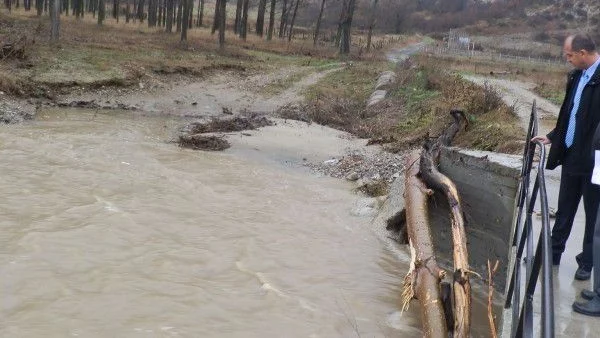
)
(571, 147)
(591, 304)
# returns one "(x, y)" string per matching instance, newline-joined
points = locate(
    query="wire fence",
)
(487, 55)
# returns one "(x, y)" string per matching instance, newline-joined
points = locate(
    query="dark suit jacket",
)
(580, 159)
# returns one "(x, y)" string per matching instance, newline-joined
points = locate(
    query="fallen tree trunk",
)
(424, 277)
(440, 182)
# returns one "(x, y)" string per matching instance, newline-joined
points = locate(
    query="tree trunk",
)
(371, 24)
(179, 15)
(282, 22)
(216, 17)
(339, 28)
(140, 10)
(200, 13)
(152, 13)
(222, 23)
(127, 12)
(39, 6)
(191, 17)
(440, 182)
(115, 10)
(184, 21)
(161, 12)
(244, 25)
(164, 17)
(260, 17)
(238, 16)
(101, 12)
(271, 21)
(346, 28)
(424, 277)
(318, 26)
(293, 21)
(55, 20)
(134, 13)
(169, 25)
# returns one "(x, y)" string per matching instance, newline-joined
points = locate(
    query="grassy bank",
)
(548, 78)
(120, 54)
(416, 107)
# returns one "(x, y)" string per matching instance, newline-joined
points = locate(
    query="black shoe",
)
(588, 294)
(588, 308)
(583, 274)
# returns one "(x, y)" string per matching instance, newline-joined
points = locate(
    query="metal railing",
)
(522, 308)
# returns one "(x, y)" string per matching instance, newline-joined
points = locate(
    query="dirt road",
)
(519, 95)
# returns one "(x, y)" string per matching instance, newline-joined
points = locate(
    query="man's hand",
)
(541, 138)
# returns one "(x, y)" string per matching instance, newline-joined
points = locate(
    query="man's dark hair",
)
(583, 41)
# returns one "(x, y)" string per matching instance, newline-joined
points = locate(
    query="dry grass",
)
(417, 108)
(549, 79)
(119, 54)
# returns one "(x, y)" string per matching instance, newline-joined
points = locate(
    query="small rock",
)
(333, 161)
(352, 176)
(141, 85)
(227, 111)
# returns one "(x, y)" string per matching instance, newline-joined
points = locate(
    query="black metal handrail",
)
(522, 309)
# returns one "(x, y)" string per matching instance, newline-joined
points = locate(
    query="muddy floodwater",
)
(108, 230)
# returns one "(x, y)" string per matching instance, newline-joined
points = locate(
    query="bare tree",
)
(200, 13)
(190, 20)
(140, 10)
(151, 13)
(244, 25)
(318, 26)
(271, 20)
(371, 24)
(39, 6)
(179, 15)
(260, 17)
(101, 12)
(185, 18)
(115, 11)
(217, 17)
(283, 21)
(161, 13)
(238, 16)
(293, 21)
(346, 26)
(169, 24)
(222, 22)
(339, 28)
(55, 20)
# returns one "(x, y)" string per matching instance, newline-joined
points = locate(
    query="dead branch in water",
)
(491, 319)
(423, 278)
(440, 182)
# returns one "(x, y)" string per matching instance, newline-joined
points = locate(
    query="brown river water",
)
(108, 229)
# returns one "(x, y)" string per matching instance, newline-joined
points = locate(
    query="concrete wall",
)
(487, 183)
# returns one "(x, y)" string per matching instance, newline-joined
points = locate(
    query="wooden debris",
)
(424, 277)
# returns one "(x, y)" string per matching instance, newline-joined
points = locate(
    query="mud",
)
(203, 142)
(11, 112)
